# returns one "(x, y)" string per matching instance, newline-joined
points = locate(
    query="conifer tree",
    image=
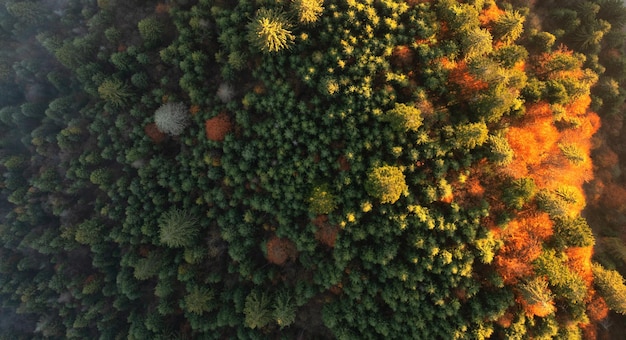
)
(177, 228)
(270, 31)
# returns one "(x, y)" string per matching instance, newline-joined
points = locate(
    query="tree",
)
(611, 286)
(509, 27)
(537, 297)
(386, 183)
(404, 117)
(469, 136)
(177, 228)
(308, 11)
(256, 310)
(172, 118)
(150, 30)
(572, 232)
(501, 152)
(269, 31)
(284, 309)
(322, 201)
(114, 91)
(199, 300)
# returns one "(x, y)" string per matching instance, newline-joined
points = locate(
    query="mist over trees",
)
(312, 169)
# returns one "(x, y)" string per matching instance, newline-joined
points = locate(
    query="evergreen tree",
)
(178, 228)
(256, 310)
(611, 286)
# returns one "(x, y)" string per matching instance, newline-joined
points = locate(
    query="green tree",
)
(322, 201)
(284, 310)
(536, 292)
(572, 232)
(518, 192)
(404, 117)
(501, 151)
(178, 228)
(509, 26)
(269, 31)
(172, 118)
(386, 183)
(199, 300)
(611, 286)
(256, 310)
(469, 136)
(151, 30)
(573, 153)
(114, 91)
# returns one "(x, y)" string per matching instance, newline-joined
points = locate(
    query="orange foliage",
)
(596, 308)
(523, 240)
(506, 320)
(539, 309)
(162, 8)
(614, 197)
(279, 250)
(579, 260)
(217, 127)
(402, 56)
(326, 233)
(154, 133)
(467, 82)
(194, 109)
(489, 15)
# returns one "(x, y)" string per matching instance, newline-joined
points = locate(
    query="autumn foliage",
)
(280, 250)
(217, 127)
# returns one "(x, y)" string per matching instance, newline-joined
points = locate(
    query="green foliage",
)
(199, 300)
(386, 183)
(308, 11)
(565, 283)
(257, 310)
(284, 312)
(270, 31)
(114, 91)
(172, 118)
(509, 26)
(573, 153)
(518, 192)
(151, 30)
(501, 152)
(404, 118)
(470, 136)
(572, 232)
(28, 12)
(611, 286)
(178, 228)
(322, 201)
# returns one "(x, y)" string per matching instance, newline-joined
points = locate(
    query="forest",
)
(312, 169)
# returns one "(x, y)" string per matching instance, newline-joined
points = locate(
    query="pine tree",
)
(284, 310)
(256, 310)
(199, 300)
(114, 91)
(178, 228)
(611, 286)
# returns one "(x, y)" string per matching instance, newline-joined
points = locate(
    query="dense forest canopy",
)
(282, 169)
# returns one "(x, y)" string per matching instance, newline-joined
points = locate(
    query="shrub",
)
(269, 31)
(171, 118)
(386, 183)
